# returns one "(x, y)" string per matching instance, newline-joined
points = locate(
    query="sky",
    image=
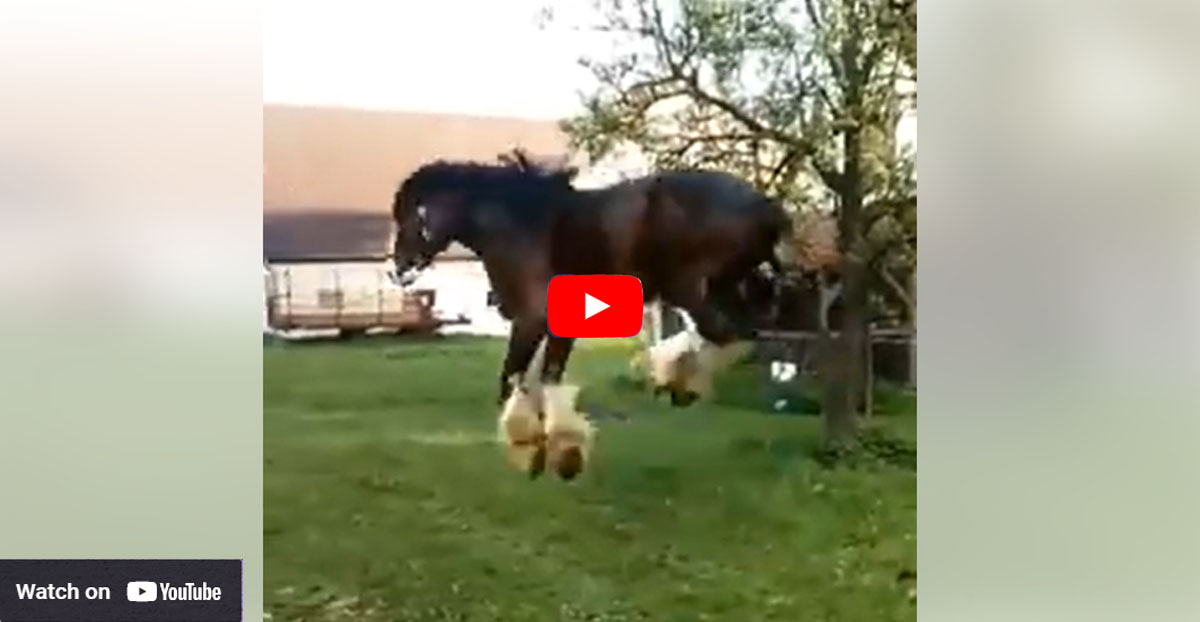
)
(479, 57)
(483, 57)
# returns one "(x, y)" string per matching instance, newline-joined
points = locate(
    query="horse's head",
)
(446, 201)
(427, 218)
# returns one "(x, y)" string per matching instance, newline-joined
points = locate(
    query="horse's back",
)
(715, 209)
(666, 226)
(716, 192)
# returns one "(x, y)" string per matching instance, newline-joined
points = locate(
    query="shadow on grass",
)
(876, 447)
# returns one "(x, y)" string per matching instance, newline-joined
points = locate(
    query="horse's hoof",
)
(683, 399)
(537, 466)
(569, 463)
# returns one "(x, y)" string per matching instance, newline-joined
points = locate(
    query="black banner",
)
(120, 590)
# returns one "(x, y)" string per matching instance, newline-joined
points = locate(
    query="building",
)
(328, 179)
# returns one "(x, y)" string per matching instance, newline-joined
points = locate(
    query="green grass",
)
(386, 498)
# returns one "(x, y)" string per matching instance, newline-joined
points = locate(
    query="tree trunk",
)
(844, 378)
(868, 385)
(843, 385)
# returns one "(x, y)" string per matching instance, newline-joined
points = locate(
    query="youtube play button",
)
(594, 305)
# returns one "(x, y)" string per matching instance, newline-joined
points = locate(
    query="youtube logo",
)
(594, 305)
(141, 591)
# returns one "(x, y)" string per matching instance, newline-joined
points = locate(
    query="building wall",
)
(333, 158)
(326, 233)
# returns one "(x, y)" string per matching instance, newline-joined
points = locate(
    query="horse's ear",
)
(523, 160)
(517, 157)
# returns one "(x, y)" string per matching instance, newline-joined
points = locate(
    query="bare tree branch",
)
(835, 111)
(662, 40)
(819, 26)
(786, 163)
(881, 208)
(899, 290)
(813, 15)
(747, 120)
(871, 60)
(829, 175)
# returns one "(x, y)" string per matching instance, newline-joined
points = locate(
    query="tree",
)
(803, 98)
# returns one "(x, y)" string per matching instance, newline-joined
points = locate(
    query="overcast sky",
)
(464, 56)
(482, 57)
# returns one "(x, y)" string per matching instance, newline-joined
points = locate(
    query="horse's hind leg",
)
(567, 431)
(711, 323)
(715, 327)
(731, 308)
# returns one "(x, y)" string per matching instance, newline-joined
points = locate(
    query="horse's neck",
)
(473, 233)
(493, 225)
(585, 202)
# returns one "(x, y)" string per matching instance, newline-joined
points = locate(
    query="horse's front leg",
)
(568, 432)
(521, 424)
(522, 343)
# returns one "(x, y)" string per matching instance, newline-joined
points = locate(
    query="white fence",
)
(357, 295)
(346, 296)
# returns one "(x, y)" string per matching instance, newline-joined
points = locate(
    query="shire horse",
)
(697, 240)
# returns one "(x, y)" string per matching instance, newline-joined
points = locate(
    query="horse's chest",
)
(519, 276)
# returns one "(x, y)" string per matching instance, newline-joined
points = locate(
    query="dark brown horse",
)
(696, 239)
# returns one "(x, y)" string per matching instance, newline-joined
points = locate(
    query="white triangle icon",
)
(592, 306)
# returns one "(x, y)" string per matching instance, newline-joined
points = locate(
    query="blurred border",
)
(1058, 283)
(130, 230)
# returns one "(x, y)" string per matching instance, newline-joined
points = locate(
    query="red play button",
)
(594, 305)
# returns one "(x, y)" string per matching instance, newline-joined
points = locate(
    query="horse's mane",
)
(517, 179)
(520, 185)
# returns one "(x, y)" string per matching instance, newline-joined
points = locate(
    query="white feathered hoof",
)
(682, 365)
(522, 433)
(537, 465)
(683, 399)
(569, 463)
(569, 434)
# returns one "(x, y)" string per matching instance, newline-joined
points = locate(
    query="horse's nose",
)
(401, 279)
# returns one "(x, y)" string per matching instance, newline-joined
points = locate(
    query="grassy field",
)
(386, 498)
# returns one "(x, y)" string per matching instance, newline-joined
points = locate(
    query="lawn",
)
(386, 498)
